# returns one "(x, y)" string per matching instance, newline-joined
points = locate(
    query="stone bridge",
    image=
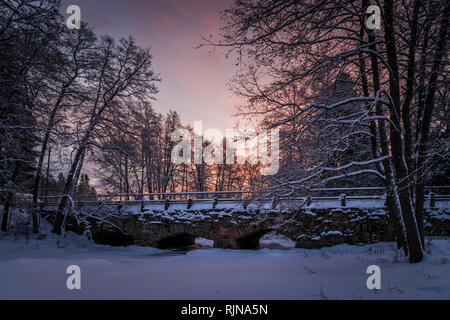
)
(236, 228)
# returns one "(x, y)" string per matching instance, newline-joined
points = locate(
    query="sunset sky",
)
(193, 80)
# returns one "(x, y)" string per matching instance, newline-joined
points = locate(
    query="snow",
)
(227, 205)
(275, 240)
(330, 233)
(439, 214)
(36, 269)
(205, 243)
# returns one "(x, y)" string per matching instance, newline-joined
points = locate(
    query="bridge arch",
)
(176, 241)
(251, 241)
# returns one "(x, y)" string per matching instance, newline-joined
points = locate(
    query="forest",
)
(355, 106)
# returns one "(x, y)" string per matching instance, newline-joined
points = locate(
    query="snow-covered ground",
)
(274, 240)
(36, 269)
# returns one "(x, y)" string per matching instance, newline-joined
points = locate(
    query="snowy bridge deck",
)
(245, 200)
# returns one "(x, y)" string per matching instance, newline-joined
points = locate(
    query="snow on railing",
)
(240, 196)
(213, 194)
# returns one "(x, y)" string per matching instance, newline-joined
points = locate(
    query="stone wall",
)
(237, 229)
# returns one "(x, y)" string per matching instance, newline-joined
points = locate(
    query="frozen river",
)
(36, 269)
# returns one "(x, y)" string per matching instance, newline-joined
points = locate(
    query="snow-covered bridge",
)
(177, 219)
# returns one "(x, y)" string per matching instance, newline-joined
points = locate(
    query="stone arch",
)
(251, 240)
(176, 241)
(113, 238)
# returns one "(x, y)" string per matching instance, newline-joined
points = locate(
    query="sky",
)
(194, 81)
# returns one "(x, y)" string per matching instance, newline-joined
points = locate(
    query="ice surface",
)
(36, 269)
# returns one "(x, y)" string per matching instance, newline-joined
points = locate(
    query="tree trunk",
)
(406, 114)
(66, 192)
(426, 117)
(9, 199)
(395, 217)
(6, 212)
(401, 188)
(45, 141)
(77, 175)
(127, 183)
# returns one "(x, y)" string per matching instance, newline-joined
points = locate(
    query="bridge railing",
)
(343, 195)
(161, 196)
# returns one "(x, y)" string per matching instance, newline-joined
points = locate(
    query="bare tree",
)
(27, 32)
(291, 51)
(122, 72)
(64, 73)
